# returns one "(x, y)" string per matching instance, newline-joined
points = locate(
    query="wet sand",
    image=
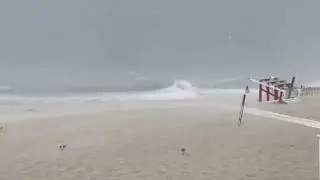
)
(145, 144)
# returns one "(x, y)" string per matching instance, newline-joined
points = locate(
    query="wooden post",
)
(291, 87)
(260, 92)
(268, 93)
(242, 106)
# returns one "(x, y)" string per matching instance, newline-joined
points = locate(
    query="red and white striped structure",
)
(273, 89)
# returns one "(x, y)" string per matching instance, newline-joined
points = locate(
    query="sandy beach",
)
(145, 143)
(153, 90)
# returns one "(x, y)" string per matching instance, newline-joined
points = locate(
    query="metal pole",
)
(241, 109)
(319, 155)
(242, 105)
(291, 87)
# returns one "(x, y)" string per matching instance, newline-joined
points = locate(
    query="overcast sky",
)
(96, 41)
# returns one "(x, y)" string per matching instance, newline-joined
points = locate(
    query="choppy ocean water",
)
(177, 90)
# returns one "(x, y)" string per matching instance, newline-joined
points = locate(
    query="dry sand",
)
(141, 144)
(308, 107)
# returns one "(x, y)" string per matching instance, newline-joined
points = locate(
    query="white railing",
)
(319, 154)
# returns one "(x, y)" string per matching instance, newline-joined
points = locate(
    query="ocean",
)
(179, 89)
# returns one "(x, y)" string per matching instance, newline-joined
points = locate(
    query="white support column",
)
(319, 155)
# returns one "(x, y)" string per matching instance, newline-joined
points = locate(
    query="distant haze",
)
(99, 42)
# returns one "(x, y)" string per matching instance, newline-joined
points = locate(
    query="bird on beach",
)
(62, 146)
(183, 151)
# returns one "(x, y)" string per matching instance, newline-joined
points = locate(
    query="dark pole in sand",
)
(291, 87)
(242, 105)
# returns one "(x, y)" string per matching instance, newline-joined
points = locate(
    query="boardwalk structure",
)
(274, 89)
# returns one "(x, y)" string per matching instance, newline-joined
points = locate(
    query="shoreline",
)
(144, 143)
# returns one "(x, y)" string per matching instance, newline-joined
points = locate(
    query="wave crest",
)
(180, 89)
(181, 85)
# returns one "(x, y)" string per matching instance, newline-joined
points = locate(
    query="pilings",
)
(309, 91)
(291, 85)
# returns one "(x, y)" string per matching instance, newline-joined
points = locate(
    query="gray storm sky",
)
(96, 41)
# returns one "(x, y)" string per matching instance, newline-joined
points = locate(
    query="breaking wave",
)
(178, 90)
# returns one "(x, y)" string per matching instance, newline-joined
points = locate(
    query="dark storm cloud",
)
(86, 41)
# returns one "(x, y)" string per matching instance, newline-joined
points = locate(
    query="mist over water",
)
(88, 47)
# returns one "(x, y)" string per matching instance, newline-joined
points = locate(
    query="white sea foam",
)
(179, 90)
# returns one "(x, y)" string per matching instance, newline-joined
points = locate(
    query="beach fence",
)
(309, 91)
(274, 89)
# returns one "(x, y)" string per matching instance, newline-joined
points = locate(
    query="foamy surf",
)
(179, 90)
